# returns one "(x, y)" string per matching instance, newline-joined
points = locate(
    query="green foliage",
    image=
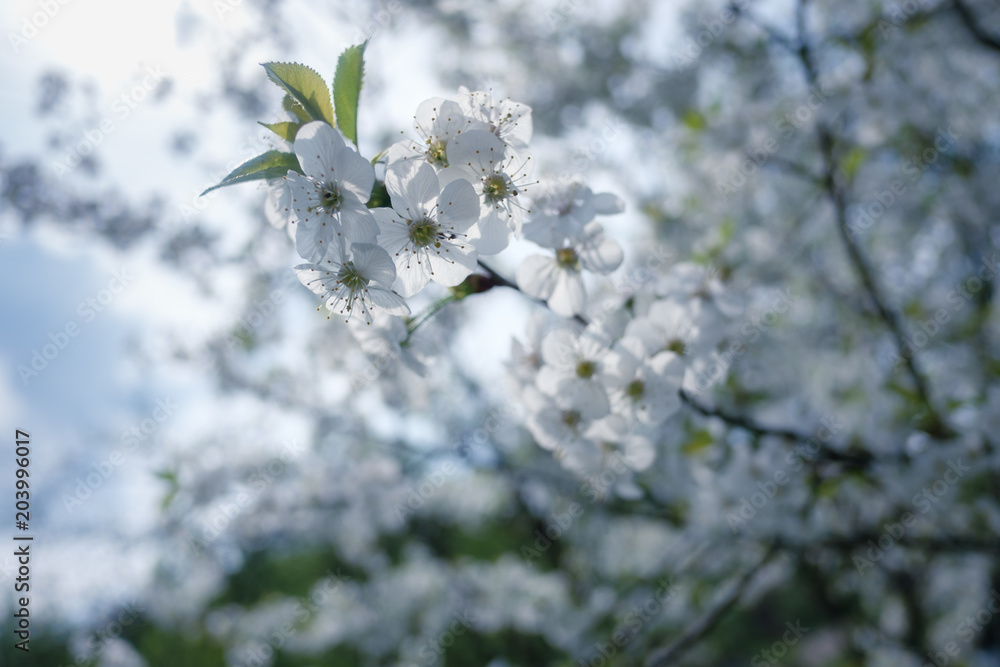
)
(286, 129)
(472, 648)
(305, 86)
(266, 574)
(161, 648)
(340, 655)
(379, 197)
(694, 120)
(289, 104)
(347, 89)
(272, 164)
(174, 486)
(45, 647)
(699, 441)
(853, 161)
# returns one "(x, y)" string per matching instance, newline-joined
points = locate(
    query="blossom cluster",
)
(461, 191)
(457, 193)
(597, 392)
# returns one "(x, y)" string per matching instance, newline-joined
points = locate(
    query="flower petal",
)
(536, 276)
(569, 297)
(390, 302)
(458, 206)
(373, 262)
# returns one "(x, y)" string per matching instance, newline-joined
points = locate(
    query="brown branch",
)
(709, 620)
(969, 20)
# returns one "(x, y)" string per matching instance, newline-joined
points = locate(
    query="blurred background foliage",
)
(662, 103)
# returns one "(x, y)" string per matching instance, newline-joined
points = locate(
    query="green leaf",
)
(170, 477)
(853, 161)
(306, 87)
(272, 164)
(289, 104)
(694, 120)
(347, 89)
(286, 129)
(700, 440)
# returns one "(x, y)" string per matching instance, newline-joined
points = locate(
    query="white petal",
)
(390, 224)
(617, 368)
(389, 302)
(536, 276)
(460, 173)
(478, 149)
(492, 233)
(588, 397)
(413, 187)
(560, 350)
(278, 206)
(317, 145)
(312, 275)
(601, 255)
(458, 206)
(357, 222)
(427, 114)
(354, 173)
(373, 262)
(412, 273)
(606, 203)
(453, 266)
(569, 296)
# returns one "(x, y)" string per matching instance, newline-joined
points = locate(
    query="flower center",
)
(586, 369)
(676, 346)
(636, 390)
(330, 198)
(566, 258)
(436, 153)
(351, 279)
(571, 418)
(497, 188)
(423, 232)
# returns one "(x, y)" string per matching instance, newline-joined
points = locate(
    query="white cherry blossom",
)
(558, 279)
(329, 200)
(479, 157)
(355, 279)
(562, 208)
(426, 229)
(579, 369)
(437, 121)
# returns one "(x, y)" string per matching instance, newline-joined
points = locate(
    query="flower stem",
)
(431, 310)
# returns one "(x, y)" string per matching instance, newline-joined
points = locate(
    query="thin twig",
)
(708, 621)
(800, 47)
(857, 460)
(499, 280)
(970, 22)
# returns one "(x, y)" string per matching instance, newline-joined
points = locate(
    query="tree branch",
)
(860, 459)
(704, 625)
(935, 425)
(969, 20)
